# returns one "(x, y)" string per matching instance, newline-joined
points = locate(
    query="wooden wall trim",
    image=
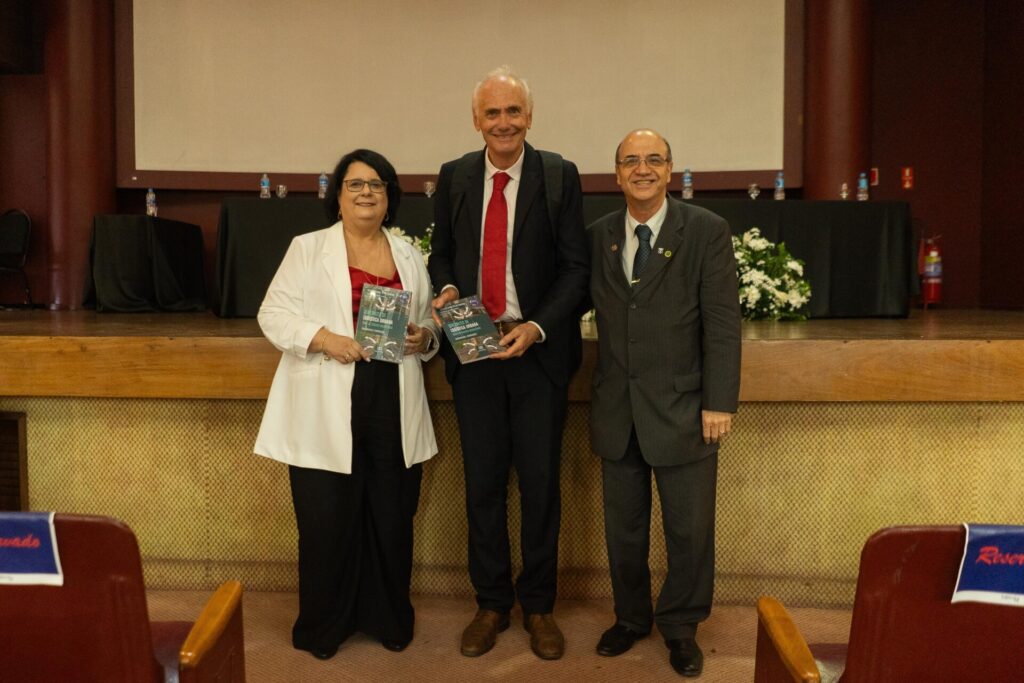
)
(592, 183)
(221, 367)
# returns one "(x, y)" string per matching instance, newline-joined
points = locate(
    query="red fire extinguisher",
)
(929, 267)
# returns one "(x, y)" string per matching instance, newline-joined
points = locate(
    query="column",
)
(79, 54)
(837, 143)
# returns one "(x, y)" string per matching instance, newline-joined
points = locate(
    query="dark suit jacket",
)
(670, 345)
(549, 262)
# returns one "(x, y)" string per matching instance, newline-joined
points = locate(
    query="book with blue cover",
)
(382, 322)
(470, 330)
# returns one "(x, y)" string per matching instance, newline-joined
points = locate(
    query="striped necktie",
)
(643, 252)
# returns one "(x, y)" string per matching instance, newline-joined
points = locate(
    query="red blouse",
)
(360, 277)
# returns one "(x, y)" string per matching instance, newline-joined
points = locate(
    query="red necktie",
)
(492, 269)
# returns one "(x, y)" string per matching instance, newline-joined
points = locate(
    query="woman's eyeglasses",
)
(357, 185)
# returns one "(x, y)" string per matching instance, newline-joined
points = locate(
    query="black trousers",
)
(687, 495)
(355, 530)
(511, 415)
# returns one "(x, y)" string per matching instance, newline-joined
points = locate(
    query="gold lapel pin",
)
(615, 247)
(668, 253)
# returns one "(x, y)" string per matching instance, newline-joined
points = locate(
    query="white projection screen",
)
(286, 86)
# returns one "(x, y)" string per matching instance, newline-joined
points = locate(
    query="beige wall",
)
(801, 486)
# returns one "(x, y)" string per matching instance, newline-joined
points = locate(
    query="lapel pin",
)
(668, 253)
(661, 250)
(615, 247)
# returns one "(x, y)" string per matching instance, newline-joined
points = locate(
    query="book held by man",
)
(470, 330)
(383, 317)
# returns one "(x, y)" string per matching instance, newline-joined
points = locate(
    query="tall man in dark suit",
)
(667, 382)
(509, 227)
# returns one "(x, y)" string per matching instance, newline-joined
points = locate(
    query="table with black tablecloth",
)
(253, 236)
(859, 256)
(143, 263)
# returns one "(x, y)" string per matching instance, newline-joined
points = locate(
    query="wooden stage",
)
(846, 426)
(932, 356)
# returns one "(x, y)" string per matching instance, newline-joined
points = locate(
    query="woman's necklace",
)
(374, 279)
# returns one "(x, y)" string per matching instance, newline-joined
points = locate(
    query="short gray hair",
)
(504, 72)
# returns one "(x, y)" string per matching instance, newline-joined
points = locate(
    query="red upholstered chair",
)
(96, 627)
(904, 626)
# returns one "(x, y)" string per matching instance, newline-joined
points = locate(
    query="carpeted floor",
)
(727, 639)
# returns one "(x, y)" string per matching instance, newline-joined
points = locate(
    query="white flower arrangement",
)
(772, 286)
(422, 244)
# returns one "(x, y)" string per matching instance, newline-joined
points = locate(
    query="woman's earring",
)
(387, 217)
(339, 214)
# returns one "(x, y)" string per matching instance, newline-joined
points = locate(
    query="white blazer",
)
(307, 420)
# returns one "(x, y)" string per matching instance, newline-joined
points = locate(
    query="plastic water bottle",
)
(321, 185)
(862, 187)
(687, 184)
(150, 202)
(265, 186)
(780, 186)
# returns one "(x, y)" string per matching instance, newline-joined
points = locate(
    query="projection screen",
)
(247, 86)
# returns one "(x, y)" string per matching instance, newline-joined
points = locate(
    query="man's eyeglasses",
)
(652, 161)
(357, 185)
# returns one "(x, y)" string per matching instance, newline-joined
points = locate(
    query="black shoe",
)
(685, 657)
(616, 640)
(394, 645)
(324, 652)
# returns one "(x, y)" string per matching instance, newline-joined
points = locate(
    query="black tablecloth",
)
(253, 235)
(858, 256)
(140, 263)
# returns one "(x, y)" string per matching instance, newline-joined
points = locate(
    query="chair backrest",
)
(93, 628)
(15, 232)
(904, 626)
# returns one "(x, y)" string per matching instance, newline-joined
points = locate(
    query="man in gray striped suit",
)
(663, 283)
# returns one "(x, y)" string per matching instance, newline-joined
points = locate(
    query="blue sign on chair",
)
(28, 549)
(992, 568)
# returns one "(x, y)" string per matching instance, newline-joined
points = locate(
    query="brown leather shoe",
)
(481, 633)
(546, 639)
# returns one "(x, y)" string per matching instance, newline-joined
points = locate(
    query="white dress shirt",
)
(632, 242)
(515, 174)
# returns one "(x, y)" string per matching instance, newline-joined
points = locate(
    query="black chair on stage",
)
(15, 231)
(904, 625)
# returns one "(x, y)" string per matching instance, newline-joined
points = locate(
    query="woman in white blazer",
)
(353, 432)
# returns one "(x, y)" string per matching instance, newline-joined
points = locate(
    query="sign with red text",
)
(28, 549)
(992, 568)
